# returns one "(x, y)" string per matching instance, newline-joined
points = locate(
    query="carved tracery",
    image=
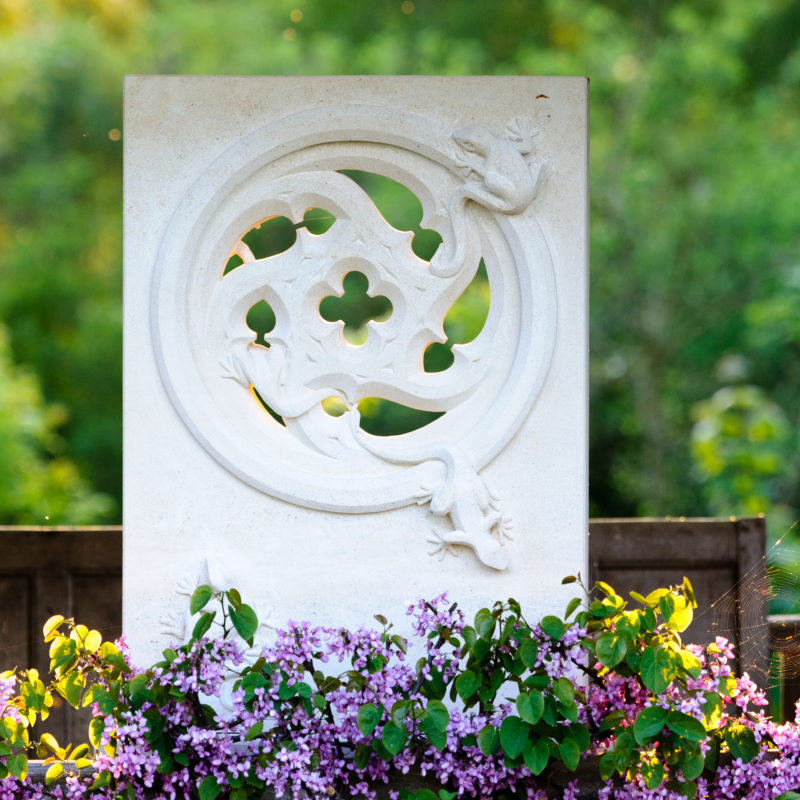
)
(478, 189)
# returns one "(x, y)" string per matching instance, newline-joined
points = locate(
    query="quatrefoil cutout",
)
(355, 307)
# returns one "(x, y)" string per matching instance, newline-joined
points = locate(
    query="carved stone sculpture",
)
(473, 183)
(232, 446)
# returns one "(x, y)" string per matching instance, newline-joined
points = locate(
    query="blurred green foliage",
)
(38, 484)
(695, 205)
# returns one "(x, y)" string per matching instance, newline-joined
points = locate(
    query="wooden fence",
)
(78, 572)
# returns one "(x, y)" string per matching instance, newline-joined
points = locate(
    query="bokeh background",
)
(695, 225)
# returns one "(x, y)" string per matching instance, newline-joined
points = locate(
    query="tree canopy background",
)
(695, 221)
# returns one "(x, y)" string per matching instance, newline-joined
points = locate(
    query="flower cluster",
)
(487, 711)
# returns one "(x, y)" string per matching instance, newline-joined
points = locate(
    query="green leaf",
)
(470, 636)
(652, 772)
(54, 772)
(649, 722)
(553, 627)
(488, 740)
(713, 709)
(103, 779)
(92, 694)
(400, 711)
(50, 628)
(650, 619)
(436, 736)
(629, 624)
(17, 765)
(137, 683)
(580, 733)
(571, 606)
(690, 663)
(208, 788)
(568, 579)
(564, 690)
(361, 756)
(467, 684)
(393, 737)
(528, 652)
(438, 714)
(570, 753)
(727, 685)
(480, 650)
(688, 591)
(656, 668)
(530, 706)
(513, 735)
(612, 720)
(638, 598)
(254, 730)
(368, 718)
(234, 598)
(286, 691)
(244, 620)
(686, 726)
(666, 605)
(611, 648)
(106, 704)
(692, 765)
(92, 641)
(303, 689)
(96, 728)
(606, 765)
(605, 588)
(71, 687)
(203, 624)
(484, 623)
(536, 755)
(79, 752)
(200, 596)
(655, 596)
(568, 710)
(741, 742)
(680, 613)
(111, 655)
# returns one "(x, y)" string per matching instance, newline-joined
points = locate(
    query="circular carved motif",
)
(212, 367)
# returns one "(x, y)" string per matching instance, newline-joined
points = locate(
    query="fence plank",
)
(724, 560)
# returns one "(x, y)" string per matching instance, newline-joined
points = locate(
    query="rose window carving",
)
(240, 333)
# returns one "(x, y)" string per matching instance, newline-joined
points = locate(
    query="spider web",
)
(775, 580)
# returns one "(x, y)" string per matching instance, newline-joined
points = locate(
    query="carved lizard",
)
(463, 495)
(505, 185)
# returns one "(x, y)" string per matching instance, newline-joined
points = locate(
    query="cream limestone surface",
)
(315, 519)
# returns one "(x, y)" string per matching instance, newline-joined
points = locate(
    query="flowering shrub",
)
(488, 710)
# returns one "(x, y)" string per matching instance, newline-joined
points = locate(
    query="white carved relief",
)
(177, 625)
(502, 181)
(211, 364)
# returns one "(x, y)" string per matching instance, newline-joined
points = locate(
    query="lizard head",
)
(474, 139)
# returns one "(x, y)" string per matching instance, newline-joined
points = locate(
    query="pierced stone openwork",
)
(478, 189)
